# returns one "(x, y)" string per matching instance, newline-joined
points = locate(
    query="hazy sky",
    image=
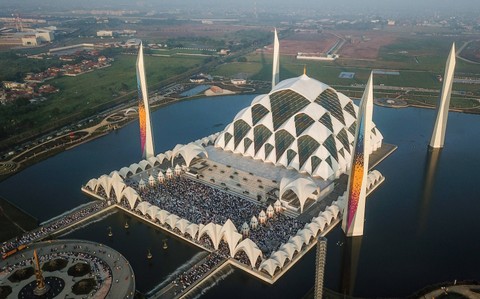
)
(413, 6)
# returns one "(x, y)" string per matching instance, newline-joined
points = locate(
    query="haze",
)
(388, 7)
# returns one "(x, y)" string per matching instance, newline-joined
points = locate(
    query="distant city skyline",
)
(338, 7)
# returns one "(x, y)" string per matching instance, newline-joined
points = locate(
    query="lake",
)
(420, 227)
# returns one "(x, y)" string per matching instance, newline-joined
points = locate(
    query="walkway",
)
(469, 291)
(176, 291)
(116, 281)
(57, 225)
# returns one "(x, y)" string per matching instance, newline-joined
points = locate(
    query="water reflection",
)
(430, 172)
(351, 255)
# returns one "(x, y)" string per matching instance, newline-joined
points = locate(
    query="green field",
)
(328, 72)
(418, 59)
(83, 95)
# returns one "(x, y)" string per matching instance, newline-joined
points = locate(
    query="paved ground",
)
(465, 290)
(120, 285)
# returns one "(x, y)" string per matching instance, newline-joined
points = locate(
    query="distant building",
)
(197, 79)
(391, 23)
(29, 37)
(133, 43)
(200, 78)
(13, 85)
(44, 35)
(239, 81)
(29, 40)
(105, 33)
(224, 52)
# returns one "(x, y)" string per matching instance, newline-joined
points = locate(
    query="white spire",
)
(276, 60)
(354, 213)
(438, 136)
(146, 136)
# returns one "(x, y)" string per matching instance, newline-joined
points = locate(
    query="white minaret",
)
(354, 213)
(438, 136)
(146, 136)
(276, 60)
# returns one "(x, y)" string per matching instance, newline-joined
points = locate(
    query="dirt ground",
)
(358, 45)
(364, 44)
(472, 51)
(305, 43)
(195, 30)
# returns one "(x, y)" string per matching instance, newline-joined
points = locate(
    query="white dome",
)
(302, 124)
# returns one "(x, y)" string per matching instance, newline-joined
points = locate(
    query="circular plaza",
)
(69, 269)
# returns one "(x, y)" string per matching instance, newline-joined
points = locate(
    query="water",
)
(134, 243)
(51, 187)
(414, 235)
(196, 90)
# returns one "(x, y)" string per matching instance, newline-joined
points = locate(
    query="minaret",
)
(354, 213)
(41, 288)
(438, 136)
(146, 137)
(276, 60)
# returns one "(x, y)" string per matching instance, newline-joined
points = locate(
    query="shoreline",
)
(19, 166)
(400, 103)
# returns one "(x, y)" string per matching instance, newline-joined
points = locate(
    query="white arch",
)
(144, 164)
(172, 220)
(130, 110)
(230, 235)
(118, 187)
(289, 249)
(143, 207)
(213, 231)
(92, 184)
(313, 227)
(153, 161)
(161, 157)
(192, 230)
(298, 241)
(125, 171)
(115, 175)
(327, 215)
(189, 152)
(269, 266)
(161, 216)
(334, 210)
(320, 221)
(304, 188)
(105, 182)
(305, 234)
(250, 249)
(134, 167)
(182, 225)
(131, 195)
(280, 256)
(152, 211)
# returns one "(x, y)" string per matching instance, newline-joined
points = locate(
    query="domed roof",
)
(301, 124)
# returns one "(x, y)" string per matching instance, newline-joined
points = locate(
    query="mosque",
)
(262, 190)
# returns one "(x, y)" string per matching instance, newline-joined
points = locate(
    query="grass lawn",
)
(82, 95)
(90, 90)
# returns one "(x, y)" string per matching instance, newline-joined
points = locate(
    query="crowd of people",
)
(100, 270)
(52, 226)
(187, 278)
(201, 204)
